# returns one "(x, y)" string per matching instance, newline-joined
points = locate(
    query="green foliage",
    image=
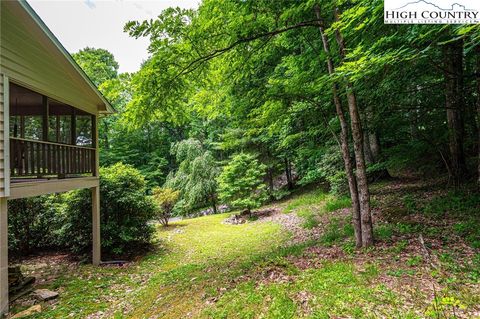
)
(310, 198)
(34, 223)
(165, 198)
(125, 213)
(147, 149)
(336, 231)
(241, 182)
(444, 307)
(64, 221)
(400, 246)
(414, 261)
(309, 216)
(455, 203)
(325, 164)
(196, 177)
(410, 204)
(384, 232)
(408, 228)
(338, 203)
(460, 204)
(98, 64)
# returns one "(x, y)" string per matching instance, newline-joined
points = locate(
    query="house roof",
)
(108, 108)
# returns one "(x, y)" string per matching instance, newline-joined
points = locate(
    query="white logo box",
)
(432, 11)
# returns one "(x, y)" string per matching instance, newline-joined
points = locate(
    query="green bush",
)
(165, 198)
(323, 164)
(241, 182)
(125, 213)
(33, 223)
(65, 221)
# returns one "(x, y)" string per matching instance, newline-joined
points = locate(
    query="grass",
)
(335, 203)
(337, 289)
(312, 205)
(203, 268)
(309, 216)
(194, 257)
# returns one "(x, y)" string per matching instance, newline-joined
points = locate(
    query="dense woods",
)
(316, 92)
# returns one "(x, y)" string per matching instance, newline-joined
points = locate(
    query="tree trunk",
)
(478, 109)
(367, 142)
(288, 174)
(367, 147)
(352, 184)
(374, 143)
(270, 182)
(214, 205)
(453, 55)
(361, 171)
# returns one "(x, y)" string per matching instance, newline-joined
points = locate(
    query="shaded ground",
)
(298, 261)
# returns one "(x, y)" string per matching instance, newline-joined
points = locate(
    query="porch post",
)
(3, 256)
(96, 249)
(96, 246)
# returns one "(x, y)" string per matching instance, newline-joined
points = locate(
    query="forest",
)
(364, 136)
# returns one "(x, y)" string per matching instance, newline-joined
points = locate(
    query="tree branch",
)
(193, 65)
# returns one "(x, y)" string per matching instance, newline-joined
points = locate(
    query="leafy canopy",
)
(98, 64)
(241, 182)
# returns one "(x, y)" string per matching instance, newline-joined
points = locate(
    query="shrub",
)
(125, 213)
(33, 223)
(241, 182)
(323, 164)
(165, 198)
(338, 183)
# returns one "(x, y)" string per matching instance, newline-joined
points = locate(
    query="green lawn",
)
(206, 269)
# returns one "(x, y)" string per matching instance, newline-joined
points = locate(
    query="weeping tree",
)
(196, 177)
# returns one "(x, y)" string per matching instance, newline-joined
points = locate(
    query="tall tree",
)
(357, 133)
(352, 183)
(196, 177)
(454, 103)
(477, 60)
(98, 64)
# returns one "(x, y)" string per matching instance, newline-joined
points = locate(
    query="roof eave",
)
(109, 109)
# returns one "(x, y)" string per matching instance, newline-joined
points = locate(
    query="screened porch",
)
(48, 139)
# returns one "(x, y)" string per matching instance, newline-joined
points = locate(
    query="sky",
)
(99, 24)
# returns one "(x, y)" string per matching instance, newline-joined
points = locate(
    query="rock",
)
(18, 285)
(28, 312)
(235, 220)
(14, 275)
(45, 294)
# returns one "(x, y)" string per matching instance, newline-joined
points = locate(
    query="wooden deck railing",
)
(29, 158)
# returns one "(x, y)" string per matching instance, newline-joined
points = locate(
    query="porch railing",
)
(37, 159)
